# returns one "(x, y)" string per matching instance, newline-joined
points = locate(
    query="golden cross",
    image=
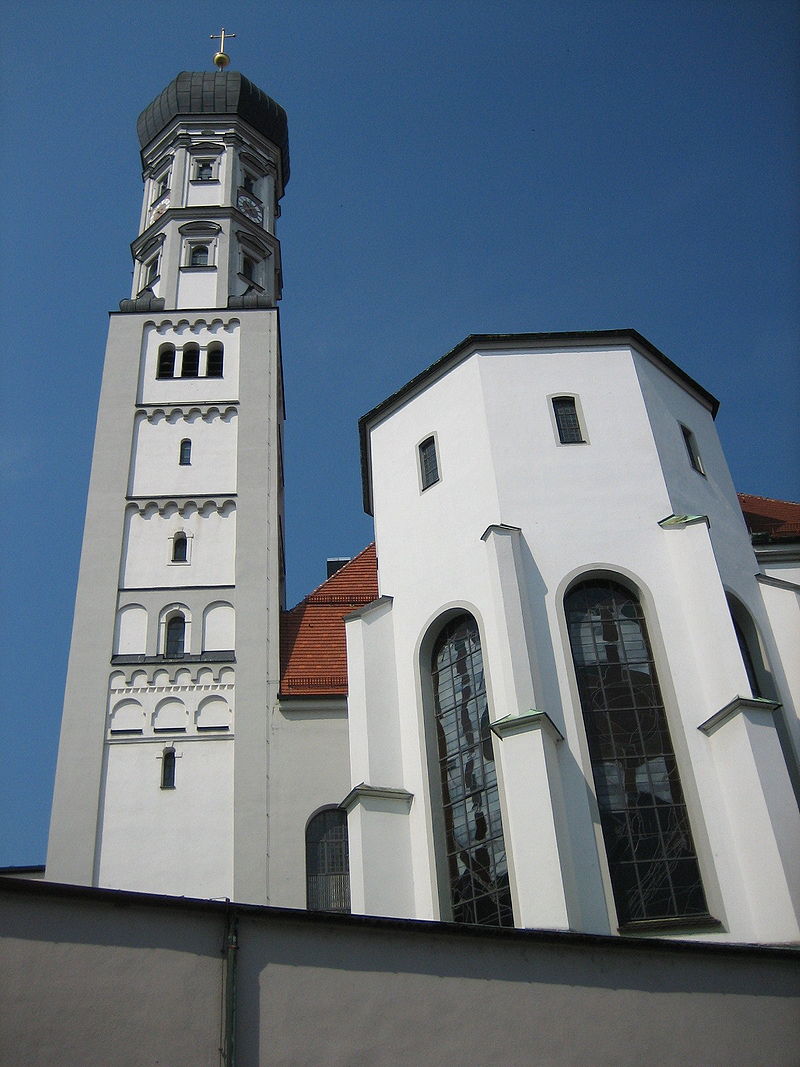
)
(221, 58)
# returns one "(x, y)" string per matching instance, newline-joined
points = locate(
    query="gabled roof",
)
(313, 650)
(770, 520)
(499, 341)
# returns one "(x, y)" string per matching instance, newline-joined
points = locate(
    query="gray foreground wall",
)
(93, 976)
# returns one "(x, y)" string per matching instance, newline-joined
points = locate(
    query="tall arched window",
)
(327, 862)
(190, 367)
(473, 828)
(648, 840)
(185, 456)
(176, 635)
(214, 360)
(168, 768)
(166, 361)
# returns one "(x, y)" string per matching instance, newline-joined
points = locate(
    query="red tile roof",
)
(772, 520)
(313, 651)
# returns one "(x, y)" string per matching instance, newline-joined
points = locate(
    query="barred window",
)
(567, 421)
(428, 462)
(474, 842)
(651, 855)
(327, 862)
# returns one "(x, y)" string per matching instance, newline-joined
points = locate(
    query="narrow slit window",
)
(190, 368)
(179, 548)
(214, 361)
(199, 257)
(176, 636)
(567, 422)
(692, 450)
(186, 452)
(166, 362)
(428, 463)
(168, 769)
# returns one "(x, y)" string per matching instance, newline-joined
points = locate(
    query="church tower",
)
(163, 767)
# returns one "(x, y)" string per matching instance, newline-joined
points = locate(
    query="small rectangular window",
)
(567, 421)
(428, 463)
(204, 170)
(692, 450)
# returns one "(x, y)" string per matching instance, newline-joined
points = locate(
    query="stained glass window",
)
(327, 862)
(476, 854)
(651, 854)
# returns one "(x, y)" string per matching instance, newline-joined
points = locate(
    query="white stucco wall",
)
(581, 509)
(176, 841)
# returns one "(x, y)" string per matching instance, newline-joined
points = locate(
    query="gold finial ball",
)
(221, 60)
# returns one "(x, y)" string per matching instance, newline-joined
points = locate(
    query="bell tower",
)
(163, 764)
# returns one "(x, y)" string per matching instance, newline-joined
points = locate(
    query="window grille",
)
(651, 854)
(475, 845)
(567, 422)
(428, 462)
(327, 862)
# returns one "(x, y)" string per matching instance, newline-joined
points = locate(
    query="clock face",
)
(250, 207)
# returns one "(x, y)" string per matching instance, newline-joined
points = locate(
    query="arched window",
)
(166, 361)
(473, 828)
(168, 768)
(199, 256)
(185, 452)
(327, 862)
(176, 635)
(568, 424)
(214, 361)
(190, 367)
(179, 548)
(648, 840)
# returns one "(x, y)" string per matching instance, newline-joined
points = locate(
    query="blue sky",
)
(457, 167)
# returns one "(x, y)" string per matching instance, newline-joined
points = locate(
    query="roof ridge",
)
(768, 499)
(336, 574)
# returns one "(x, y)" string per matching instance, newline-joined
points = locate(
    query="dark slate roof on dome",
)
(224, 92)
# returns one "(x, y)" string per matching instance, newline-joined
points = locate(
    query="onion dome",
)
(225, 92)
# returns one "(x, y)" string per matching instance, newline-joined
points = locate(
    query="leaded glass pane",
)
(476, 854)
(327, 862)
(651, 855)
(569, 428)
